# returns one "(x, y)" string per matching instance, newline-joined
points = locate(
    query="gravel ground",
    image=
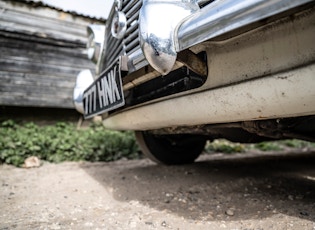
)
(242, 191)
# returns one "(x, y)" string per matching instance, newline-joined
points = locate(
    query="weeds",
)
(63, 142)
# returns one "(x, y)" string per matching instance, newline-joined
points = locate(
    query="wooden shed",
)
(42, 49)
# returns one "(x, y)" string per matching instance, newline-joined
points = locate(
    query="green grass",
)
(63, 142)
(224, 146)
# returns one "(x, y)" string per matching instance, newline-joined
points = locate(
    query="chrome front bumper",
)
(185, 25)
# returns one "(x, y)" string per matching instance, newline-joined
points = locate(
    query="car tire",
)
(170, 149)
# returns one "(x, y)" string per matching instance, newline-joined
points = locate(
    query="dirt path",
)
(217, 192)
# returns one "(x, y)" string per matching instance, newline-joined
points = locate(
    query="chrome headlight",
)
(83, 81)
(96, 35)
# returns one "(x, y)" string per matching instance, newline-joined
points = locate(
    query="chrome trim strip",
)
(224, 16)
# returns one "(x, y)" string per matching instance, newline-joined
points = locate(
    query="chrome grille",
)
(130, 43)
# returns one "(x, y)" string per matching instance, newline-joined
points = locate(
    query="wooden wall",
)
(42, 49)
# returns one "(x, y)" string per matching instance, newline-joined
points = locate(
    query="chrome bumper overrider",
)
(185, 25)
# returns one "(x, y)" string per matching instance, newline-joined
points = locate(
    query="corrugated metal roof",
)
(40, 4)
(33, 18)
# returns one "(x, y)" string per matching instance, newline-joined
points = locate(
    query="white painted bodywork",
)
(287, 94)
(265, 73)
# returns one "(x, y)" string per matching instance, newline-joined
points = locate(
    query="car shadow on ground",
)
(216, 188)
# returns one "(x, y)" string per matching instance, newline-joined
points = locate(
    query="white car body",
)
(255, 60)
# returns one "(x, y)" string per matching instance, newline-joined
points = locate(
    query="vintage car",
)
(181, 72)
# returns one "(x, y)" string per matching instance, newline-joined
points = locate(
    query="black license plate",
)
(105, 94)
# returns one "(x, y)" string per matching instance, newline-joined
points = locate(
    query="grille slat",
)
(131, 37)
(131, 45)
(134, 9)
(114, 44)
(127, 5)
(133, 18)
(114, 56)
(131, 29)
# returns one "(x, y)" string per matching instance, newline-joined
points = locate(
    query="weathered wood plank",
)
(41, 52)
(75, 61)
(39, 38)
(23, 100)
(36, 79)
(38, 47)
(29, 67)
